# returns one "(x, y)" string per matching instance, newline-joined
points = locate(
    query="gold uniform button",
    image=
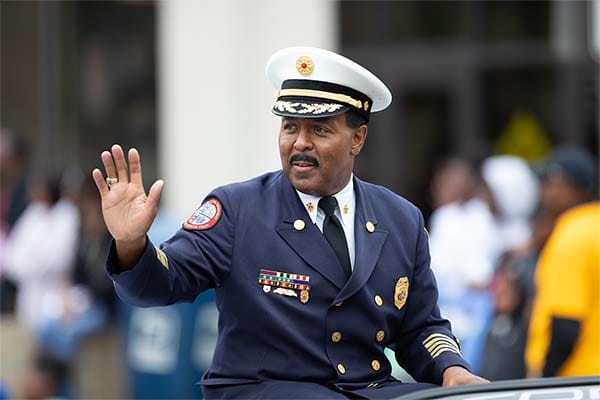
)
(378, 300)
(380, 336)
(375, 365)
(370, 227)
(341, 369)
(336, 337)
(299, 224)
(339, 304)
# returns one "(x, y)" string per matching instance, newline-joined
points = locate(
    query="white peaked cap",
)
(314, 82)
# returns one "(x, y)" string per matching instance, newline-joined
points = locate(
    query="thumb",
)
(155, 191)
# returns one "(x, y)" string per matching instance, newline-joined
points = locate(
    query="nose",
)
(303, 140)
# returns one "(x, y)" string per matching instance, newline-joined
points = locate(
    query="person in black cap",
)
(568, 178)
(313, 291)
(565, 324)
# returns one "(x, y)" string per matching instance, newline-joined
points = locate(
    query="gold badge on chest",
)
(401, 292)
(304, 295)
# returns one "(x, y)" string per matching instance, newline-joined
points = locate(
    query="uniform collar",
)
(344, 197)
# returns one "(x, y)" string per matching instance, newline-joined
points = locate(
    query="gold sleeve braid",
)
(438, 343)
(162, 257)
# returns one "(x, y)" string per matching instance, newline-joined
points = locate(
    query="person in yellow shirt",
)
(564, 332)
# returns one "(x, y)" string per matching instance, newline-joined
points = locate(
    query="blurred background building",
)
(183, 81)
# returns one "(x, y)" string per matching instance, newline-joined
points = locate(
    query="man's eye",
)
(320, 129)
(289, 126)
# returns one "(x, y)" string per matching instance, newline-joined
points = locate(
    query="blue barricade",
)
(167, 349)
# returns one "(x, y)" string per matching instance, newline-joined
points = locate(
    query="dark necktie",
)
(334, 233)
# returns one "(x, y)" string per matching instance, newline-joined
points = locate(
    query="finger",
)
(109, 165)
(135, 167)
(120, 163)
(155, 191)
(100, 182)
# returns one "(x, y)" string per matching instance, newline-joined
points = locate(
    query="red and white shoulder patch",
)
(205, 216)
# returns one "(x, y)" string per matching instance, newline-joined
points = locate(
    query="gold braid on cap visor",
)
(342, 98)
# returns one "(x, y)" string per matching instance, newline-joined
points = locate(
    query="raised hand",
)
(128, 212)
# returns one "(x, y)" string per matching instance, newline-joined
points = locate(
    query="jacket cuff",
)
(136, 273)
(447, 360)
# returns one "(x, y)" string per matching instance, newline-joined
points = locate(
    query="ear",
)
(358, 139)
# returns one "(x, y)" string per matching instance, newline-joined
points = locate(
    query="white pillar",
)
(216, 126)
(595, 29)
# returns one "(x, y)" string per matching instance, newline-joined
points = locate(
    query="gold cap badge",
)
(305, 65)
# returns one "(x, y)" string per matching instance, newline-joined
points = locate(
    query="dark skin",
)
(317, 155)
(558, 194)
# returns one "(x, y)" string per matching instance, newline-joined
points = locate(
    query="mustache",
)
(305, 158)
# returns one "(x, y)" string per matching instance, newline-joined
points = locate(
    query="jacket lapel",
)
(368, 245)
(309, 243)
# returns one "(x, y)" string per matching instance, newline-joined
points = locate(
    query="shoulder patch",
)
(205, 216)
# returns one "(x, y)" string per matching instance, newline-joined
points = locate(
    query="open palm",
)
(128, 211)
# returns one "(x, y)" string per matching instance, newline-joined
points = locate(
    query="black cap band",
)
(315, 99)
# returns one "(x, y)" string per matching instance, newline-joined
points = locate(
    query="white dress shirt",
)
(345, 212)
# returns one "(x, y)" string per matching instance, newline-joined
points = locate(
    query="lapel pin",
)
(345, 209)
(298, 225)
(310, 206)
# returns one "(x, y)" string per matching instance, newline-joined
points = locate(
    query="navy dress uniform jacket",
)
(335, 335)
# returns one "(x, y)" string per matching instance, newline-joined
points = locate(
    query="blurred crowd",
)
(492, 223)
(52, 249)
